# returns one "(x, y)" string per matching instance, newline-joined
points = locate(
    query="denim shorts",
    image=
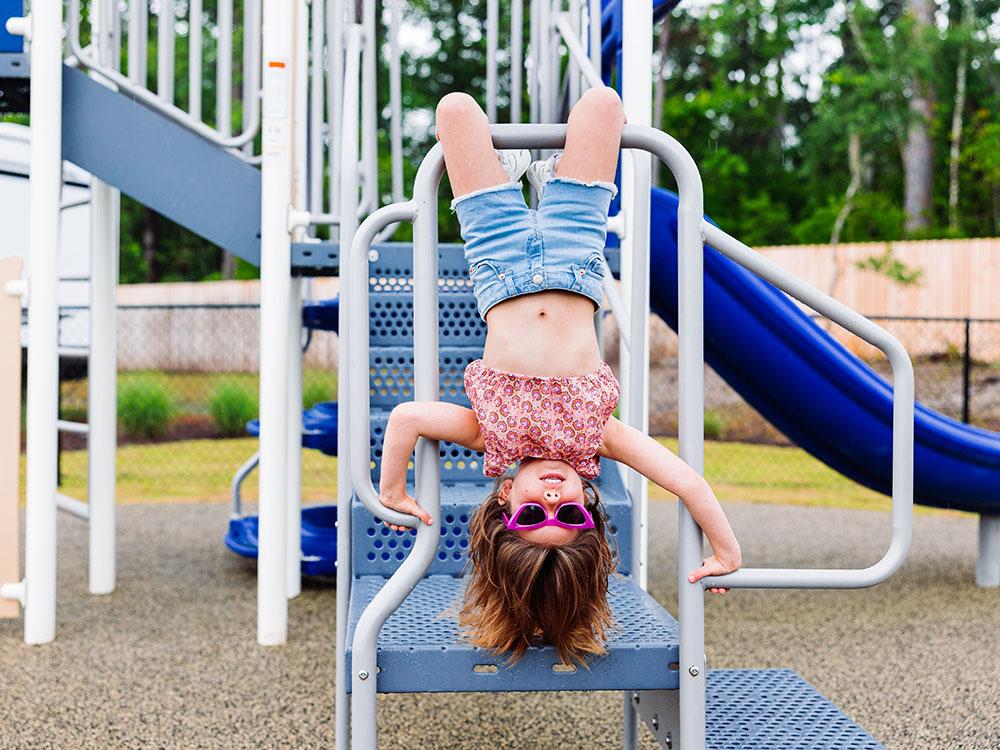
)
(513, 250)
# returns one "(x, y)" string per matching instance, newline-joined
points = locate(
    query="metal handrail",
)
(358, 385)
(153, 101)
(902, 431)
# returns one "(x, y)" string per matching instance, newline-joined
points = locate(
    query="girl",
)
(541, 396)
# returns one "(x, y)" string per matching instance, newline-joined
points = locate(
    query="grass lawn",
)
(201, 470)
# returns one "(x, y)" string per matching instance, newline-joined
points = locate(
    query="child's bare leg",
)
(469, 156)
(593, 137)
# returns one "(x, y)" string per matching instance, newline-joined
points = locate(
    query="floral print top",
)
(522, 416)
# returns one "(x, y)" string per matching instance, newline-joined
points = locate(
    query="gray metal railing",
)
(162, 100)
(692, 231)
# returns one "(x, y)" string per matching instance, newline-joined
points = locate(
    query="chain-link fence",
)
(187, 385)
(188, 382)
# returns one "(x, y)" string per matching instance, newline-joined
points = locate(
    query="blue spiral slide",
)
(811, 388)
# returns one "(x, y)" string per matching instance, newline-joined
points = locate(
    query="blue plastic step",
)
(775, 709)
(319, 539)
(420, 649)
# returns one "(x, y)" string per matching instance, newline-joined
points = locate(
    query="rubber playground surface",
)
(170, 660)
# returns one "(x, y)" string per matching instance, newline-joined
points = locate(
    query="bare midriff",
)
(548, 333)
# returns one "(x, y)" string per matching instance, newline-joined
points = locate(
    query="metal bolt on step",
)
(363, 674)
(635, 698)
(694, 671)
(655, 722)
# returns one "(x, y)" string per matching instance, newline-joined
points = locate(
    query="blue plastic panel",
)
(768, 709)
(376, 550)
(420, 650)
(10, 9)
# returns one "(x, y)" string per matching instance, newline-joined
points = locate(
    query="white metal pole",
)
(637, 61)
(224, 70)
(165, 51)
(251, 65)
(275, 298)
(102, 372)
(534, 58)
(43, 322)
(516, 58)
(293, 493)
(102, 358)
(594, 20)
(347, 192)
(137, 41)
(575, 17)
(316, 109)
(396, 102)
(334, 98)
(369, 112)
(492, 31)
(194, 59)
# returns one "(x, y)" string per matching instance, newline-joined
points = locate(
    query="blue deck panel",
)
(420, 650)
(775, 709)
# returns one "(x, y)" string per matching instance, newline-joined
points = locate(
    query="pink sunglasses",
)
(534, 516)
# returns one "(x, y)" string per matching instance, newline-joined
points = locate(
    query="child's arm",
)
(435, 420)
(659, 464)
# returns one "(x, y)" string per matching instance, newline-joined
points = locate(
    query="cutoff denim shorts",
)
(513, 250)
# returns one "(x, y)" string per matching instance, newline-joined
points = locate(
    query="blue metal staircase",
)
(420, 648)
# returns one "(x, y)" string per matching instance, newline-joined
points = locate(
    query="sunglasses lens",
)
(530, 515)
(571, 514)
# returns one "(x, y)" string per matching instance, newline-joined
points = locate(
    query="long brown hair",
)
(518, 591)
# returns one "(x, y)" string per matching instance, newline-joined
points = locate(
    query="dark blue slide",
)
(811, 388)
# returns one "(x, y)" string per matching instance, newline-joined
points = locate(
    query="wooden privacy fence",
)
(10, 431)
(957, 279)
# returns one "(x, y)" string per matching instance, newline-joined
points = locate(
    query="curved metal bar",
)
(152, 100)
(238, 478)
(423, 209)
(902, 432)
(358, 385)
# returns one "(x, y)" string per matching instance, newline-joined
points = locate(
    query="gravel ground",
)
(170, 660)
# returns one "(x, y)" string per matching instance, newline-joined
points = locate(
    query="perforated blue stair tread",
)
(772, 709)
(419, 648)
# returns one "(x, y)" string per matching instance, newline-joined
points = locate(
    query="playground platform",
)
(167, 661)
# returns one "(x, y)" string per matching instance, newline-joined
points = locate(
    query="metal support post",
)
(275, 298)
(988, 564)
(102, 356)
(348, 196)
(43, 322)
(635, 182)
(102, 375)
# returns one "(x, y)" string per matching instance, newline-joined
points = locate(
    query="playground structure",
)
(422, 329)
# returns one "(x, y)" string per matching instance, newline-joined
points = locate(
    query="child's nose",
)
(551, 495)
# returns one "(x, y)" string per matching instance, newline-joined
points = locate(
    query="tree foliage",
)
(765, 95)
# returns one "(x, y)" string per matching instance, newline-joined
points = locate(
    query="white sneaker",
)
(514, 163)
(541, 171)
